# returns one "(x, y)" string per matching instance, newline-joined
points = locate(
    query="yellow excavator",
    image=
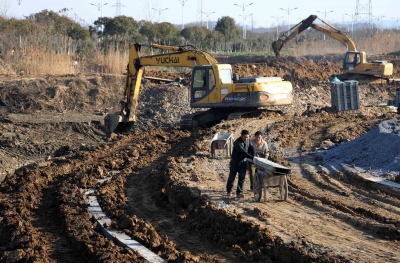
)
(213, 86)
(355, 65)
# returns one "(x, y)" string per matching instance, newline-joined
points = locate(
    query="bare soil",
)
(169, 192)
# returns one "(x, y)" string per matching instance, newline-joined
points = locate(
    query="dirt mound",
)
(23, 143)
(299, 69)
(162, 105)
(61, 93)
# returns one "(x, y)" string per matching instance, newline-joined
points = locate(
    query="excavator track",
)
(211, 117)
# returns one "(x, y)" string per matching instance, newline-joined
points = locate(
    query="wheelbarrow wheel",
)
(257, 187)
(284, 188)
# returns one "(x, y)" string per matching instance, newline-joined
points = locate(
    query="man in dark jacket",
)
(242, 149)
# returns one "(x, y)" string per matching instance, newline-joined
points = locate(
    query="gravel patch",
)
(377, 151)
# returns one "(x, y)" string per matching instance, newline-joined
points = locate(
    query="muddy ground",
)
(169, 194)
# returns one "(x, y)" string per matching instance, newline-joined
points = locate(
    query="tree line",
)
(57, 33)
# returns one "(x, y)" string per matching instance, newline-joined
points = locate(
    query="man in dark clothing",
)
(242, 149)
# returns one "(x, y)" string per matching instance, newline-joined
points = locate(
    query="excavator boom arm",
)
(338, 35)
(329, 30)
(181, 56)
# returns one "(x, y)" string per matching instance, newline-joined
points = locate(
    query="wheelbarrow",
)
(269, 174)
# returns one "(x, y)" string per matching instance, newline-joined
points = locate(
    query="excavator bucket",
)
(276, 46)
(291, 33)
(116, 123)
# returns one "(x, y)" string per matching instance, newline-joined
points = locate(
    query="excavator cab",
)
(351, 60)
(203, 82)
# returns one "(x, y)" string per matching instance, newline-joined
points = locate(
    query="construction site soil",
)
(165, 190)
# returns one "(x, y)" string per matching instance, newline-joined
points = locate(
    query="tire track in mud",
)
(150, 224)
(360, 213)
(156, 191)
(44, 218)
(52, 237)
(146, 202)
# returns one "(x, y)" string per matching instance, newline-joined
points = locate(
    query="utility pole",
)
(201, 8)
(352, 23)
(252, 22)
(19, 15)
(325, 13)
(208, 16)
(243, 6)
(277, 25)
(183, 4)
(288, 10)
(363, 13)
(397, 22)
(100, 11)
(379, 18)
(159, 10)
(19, 4)
(118, 6)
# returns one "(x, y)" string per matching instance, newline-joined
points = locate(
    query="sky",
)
(265, 13)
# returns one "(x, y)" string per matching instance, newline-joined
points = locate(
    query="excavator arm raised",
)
(328, 30)
(355, 64)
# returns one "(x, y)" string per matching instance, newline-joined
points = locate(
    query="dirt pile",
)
(24, 142)
(61, 93)
(162, 106)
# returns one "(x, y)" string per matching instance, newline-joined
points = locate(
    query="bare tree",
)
(149, 9)
(4, 8)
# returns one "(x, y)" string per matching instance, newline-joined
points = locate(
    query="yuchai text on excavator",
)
(213, 86)
(355, 64)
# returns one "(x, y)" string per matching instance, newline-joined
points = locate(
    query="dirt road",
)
(168, 193)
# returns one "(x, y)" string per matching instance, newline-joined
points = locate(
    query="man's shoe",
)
(228, 194)
(241, 195)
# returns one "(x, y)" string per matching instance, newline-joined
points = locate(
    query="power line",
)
(19, 4)
(363, 14)
(201, 9)
(118, 6)
(183, 5)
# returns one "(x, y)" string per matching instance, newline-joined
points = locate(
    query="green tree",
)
(227, 27)
(165, 32)
(197, 36)
(78, 33)
(101, 22)
(121, 26)
(148, 30)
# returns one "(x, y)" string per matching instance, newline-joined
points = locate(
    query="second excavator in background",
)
(213, 87)
(355, 64)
